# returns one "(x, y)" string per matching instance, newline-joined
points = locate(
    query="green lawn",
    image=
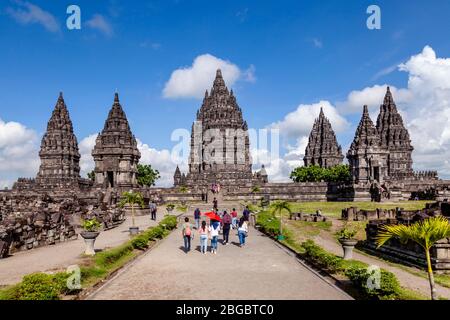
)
(334, 209)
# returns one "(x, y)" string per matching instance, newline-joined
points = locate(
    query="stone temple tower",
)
(322, 149)
(115, 153)
(395, 138)
(366, 157)
(60, 158)
(220, 145)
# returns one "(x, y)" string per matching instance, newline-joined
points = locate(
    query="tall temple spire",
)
(60, 157)
(208, 163)
(395, 137)
(322, 149)
(115, 153)
(366, 133)
(367, 158)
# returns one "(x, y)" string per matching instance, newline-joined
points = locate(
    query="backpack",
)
(227, 219)
(187, 230)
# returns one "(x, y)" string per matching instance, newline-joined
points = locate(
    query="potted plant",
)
(90, 233)
(170, 207)
(132, 198)
(346, 237)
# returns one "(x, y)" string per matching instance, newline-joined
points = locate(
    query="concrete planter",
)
(134, 231)
(348, 245)
(89, 239)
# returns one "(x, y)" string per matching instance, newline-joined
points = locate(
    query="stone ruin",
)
(49, 209)
(411, 253)
(35, 220)
(354, 214)
(310, 217)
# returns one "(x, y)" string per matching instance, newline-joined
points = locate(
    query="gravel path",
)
(61, 255)
(260, 270)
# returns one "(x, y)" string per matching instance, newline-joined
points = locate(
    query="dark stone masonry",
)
(323, 149)
(48, 208)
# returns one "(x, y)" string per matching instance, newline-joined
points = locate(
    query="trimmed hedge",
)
(141, 241)
(356, 271)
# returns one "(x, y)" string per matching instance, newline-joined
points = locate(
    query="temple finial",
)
(116, 96)
(219, 73)
(365, 109)
(388, 99)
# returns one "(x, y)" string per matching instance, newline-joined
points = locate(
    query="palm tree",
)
(425, 233)
(278, 207)
(183, 189)
(132, 198)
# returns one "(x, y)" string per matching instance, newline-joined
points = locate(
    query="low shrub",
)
(109, 257)
(320, 257)
(268, 223)
(356, 271)
(169, 222)
(140, 242)
(389, 287)
(39, 286)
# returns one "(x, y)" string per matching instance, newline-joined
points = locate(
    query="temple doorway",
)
(110, 179)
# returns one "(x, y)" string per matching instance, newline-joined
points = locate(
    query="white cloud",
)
(300, 121)
(28, 13)
(297, 126)
(86, 146)
(192, 81)
(100, 23)
(424, 105)
(18, 152)
(161, 160)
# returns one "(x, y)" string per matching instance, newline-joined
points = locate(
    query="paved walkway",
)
(261, 270)
(62, 255)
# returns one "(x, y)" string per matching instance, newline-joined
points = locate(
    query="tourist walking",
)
(246, 213)
(197, 215)
(214, 229)
(153, 209)
(187, 235)
(242, 231)
(203, 235)
(234, 219)
(226, 225)
(215, 205)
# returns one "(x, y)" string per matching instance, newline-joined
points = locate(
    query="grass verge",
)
(355, 271)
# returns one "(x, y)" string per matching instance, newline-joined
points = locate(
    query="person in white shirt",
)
(214, 229)
(242, 231)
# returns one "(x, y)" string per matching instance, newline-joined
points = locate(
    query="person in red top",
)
(234, 219)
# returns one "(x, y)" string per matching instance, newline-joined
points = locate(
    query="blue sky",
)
(298, 52)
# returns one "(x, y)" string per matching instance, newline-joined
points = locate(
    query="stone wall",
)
(31, 219)
(411, 253)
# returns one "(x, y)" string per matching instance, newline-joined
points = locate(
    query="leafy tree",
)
(279, 207)
(146, 175)
(91, 175)
(256, 189)
(132, 198)
(425, 233)
(314, 173)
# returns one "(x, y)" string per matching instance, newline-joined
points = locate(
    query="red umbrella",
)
(212, 216)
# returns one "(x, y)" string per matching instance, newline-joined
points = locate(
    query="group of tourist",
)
(220, 222)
